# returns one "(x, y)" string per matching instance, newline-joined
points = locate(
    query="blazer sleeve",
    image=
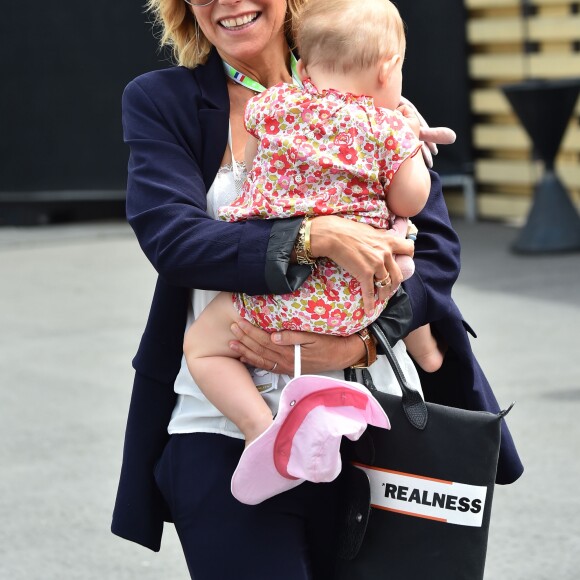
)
(166, 200)
(437, 260)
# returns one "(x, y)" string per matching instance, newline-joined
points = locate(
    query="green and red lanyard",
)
(253, 85)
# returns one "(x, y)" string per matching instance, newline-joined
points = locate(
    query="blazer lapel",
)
(213, 115)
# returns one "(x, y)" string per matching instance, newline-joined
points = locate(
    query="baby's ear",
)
(388, 66)
(301, 69)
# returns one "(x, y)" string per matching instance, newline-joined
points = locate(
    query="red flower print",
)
(396, 123)
(272, 125)
(343, 139)
(336, 317)
(294, 324)
(357, 187)
(307, 115)
(279, 163)
(347, 155)
(357, 314)
(318, 309)
(322, 208)
(369, 147)
(264, 321)
(353, 286)
(319, 131)
(304, 151)
(391, 144)
(332, 293)
(283, 183)
(290, 119)
(265, 143)
(324, 161)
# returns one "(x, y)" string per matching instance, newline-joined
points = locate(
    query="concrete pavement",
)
(73, 302)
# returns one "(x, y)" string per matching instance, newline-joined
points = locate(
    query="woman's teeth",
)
(235, 22)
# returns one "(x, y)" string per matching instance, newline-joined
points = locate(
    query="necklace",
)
(253, 85)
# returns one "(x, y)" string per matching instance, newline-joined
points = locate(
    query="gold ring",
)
(384, 282)
(274, 367)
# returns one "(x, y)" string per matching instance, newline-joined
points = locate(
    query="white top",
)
(193, 412)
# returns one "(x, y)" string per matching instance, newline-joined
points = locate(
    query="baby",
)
(338, 144)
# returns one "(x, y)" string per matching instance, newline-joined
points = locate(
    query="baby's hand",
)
(411, 117)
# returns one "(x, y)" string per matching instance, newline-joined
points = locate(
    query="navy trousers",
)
(287, 537)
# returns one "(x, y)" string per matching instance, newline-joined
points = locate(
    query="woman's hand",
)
(319, 352)
(367, 253)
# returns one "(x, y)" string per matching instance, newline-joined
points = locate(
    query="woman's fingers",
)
(367, 253)
(255, 347)
(367, 288)
(319, 352)
(322, 352)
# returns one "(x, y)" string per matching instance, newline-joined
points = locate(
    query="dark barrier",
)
(66, 64)
(61, 92)
(435, 74)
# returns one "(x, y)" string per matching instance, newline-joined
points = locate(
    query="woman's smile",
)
(239, 22)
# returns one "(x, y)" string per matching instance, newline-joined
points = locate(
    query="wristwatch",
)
(371, 350)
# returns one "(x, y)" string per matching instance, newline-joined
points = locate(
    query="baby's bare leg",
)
(222, 378)
(424, 349)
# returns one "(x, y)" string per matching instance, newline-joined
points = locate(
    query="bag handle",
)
(297, 361)
(412, 401)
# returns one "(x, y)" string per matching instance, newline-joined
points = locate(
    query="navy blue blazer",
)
(175, 122)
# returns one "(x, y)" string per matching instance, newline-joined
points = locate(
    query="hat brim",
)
(262, 471)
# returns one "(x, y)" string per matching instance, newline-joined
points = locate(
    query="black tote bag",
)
(417, 497)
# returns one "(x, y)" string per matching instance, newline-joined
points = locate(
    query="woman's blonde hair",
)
(180, 31)
(345, 35)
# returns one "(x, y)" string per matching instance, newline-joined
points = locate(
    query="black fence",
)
(61, 148)
(435, 74)
(65, 66)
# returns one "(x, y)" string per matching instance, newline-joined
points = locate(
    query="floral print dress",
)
(320, 153)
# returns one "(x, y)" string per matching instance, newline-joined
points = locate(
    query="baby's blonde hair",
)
(180, 31)
(346, 35)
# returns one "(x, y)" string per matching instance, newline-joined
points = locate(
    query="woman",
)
(177, 122)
